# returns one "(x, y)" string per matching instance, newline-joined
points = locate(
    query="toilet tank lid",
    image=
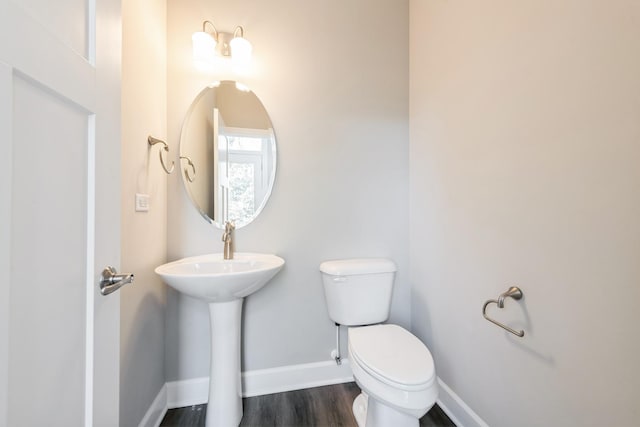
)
(347, 267)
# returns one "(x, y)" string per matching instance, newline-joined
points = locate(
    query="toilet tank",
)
(358, 291)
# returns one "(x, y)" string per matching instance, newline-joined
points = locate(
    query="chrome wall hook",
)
(192, 177)
(153, 141)
(513, 292)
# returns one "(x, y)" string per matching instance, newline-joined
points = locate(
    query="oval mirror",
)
(228, 154)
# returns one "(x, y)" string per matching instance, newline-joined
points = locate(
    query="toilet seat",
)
(392, 355)
(393, 366)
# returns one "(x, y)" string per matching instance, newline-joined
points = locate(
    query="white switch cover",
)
(142, 202)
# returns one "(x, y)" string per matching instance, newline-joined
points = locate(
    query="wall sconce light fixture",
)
(207, 44)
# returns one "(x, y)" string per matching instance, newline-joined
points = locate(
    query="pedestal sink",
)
(222, 284)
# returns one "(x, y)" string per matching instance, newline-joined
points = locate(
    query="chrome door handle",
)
(111, 281)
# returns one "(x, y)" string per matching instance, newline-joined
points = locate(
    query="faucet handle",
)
(229, 226)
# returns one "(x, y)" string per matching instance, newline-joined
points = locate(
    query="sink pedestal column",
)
(225, 386)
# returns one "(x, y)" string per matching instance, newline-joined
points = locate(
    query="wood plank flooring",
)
(320, 406)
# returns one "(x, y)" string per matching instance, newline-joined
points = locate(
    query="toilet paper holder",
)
(513, 292)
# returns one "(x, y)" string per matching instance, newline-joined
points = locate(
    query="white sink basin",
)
(214, 279)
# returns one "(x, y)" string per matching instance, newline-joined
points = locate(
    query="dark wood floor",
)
(320, 406)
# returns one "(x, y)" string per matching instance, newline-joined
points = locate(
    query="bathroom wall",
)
(333, 76)
(524, 171)
(143, 233)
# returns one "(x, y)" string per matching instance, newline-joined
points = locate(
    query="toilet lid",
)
(392, 354)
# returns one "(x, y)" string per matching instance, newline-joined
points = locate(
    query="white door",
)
(59, 211)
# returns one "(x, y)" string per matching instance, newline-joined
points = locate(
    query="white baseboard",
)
(295, 377)
(263, 381)
(157, 410)
(455, 408)
(187, 392)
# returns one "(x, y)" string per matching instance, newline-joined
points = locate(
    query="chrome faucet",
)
(227, 238)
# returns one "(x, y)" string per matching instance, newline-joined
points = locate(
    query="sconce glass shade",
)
(240, 50)
(204, 47)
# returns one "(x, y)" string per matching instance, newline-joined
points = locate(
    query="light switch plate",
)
(142, 202)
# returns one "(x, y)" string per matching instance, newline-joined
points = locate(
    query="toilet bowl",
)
(392, 367)
(396, 374)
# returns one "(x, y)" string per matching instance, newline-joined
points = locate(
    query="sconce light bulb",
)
(204, 47)
(240, 50)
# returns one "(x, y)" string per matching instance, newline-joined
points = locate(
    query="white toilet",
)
(393, 368)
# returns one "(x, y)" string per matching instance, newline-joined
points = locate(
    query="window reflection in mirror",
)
(245, 169)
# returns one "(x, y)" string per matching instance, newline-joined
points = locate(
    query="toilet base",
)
(371, 413)
(360, 409)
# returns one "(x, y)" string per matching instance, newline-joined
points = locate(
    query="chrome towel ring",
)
(513, 292)
(153, 141)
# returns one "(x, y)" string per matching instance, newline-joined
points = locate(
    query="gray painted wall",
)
(334, 77)
(524, 170)
(143, 234)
